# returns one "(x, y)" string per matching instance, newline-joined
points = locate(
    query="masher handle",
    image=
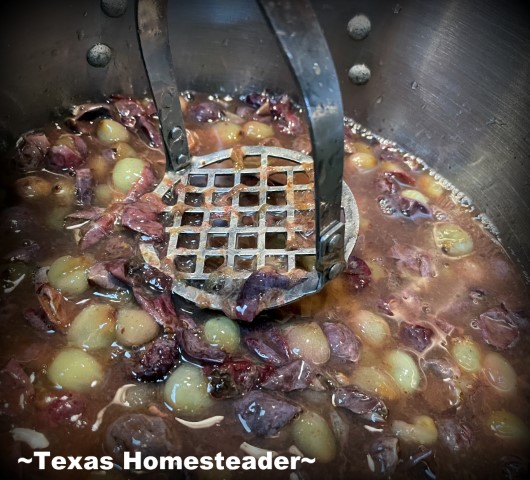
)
(299, 34)
(151, 18)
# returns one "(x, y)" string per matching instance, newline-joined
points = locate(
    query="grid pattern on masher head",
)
(230, 225)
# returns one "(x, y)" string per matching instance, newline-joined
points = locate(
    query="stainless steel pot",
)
(449, 78)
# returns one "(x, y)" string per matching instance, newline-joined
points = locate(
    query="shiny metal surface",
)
(449, 78)
(153, 40)
(300, 36)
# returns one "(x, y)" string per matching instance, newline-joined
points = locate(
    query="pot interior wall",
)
(449, 79)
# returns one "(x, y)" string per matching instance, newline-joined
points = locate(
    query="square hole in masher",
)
(224, 180)
(301, 178)
(279, 262)
(170, 197)
(248, 199)
(278, 179)
(198, 180)
(305, 262)
(248, 219)
(250, 179)
(220, 199)
(245, 262)
(276, 198)
(167, 219)
(275, 219)
(185, 263)
(192, 218)
(252, 161)
(217, 240)
(304, 219)
(219, 219)
(213, 263)
(273, 161)
(188, 240)
(199, 284)
(247, 241)
(275, 240)
(304, 199)
(305, 239)
(194, 199)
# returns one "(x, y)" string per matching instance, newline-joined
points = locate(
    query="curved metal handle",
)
(151, 20)
(297, 29)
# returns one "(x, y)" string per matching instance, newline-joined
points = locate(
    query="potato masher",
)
(211, 253)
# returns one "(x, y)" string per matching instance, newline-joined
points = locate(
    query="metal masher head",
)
(229, 222)
(248, 208)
